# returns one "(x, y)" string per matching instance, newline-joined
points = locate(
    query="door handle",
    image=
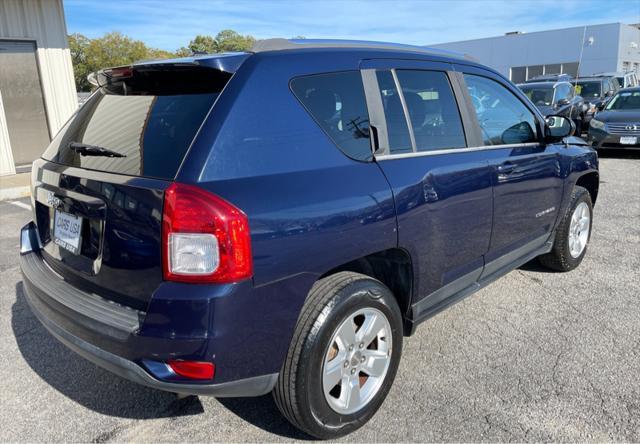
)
(506, 168)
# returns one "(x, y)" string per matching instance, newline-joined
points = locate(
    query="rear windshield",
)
(589, 89)
(140, 122)
(539, 95)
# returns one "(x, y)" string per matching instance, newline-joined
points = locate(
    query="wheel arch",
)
(393, 267)
(590, 181)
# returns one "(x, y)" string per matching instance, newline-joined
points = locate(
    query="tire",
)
(339, 302)
(563, 256)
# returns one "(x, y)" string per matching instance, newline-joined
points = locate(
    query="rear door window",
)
(336, 101)
(141, 122)
(433, 111)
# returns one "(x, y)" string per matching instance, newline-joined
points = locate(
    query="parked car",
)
(625, 79)
(550, 78)
(277, 220)
(617, 125)
(557, 98)
(596, 91)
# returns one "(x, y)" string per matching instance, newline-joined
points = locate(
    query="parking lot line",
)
(17, 203)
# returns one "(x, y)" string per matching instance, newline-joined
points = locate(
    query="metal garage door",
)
(23, 102)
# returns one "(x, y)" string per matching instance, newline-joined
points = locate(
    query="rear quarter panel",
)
(310, 207)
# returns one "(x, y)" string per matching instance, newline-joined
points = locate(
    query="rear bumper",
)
(85, 323)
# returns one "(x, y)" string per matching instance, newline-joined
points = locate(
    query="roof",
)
(230, 62)
(589, 79)
(540, 84)
(613, 74)
(297, 44)
(632, 89)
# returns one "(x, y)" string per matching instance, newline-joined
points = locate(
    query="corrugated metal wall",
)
(42, 21)
(6, 158)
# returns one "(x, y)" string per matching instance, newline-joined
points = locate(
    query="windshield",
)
(625, 101)
(589, 89)
(539, 95)
(141, 124)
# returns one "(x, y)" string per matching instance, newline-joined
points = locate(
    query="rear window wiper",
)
(92, 150)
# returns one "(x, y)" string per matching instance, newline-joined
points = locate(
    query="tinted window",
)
(502, 117)
(433, 110)
(337, 103)
(146, 120)
(590, 89)
(397, 129)
(539, 95)
(563, 92)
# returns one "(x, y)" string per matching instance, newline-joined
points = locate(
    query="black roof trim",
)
(286, 44)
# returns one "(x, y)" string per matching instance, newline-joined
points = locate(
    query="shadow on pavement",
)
(82, 381)
(105, 393)
(619, 154)
(534, 265)
(263, 413)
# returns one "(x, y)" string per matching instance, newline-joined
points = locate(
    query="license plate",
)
(66, 231)
(628, 140)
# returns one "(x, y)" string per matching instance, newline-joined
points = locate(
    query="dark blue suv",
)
(277, 220)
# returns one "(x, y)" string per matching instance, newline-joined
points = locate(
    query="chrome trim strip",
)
(455, 150)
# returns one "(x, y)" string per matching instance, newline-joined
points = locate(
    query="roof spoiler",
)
(226, 62)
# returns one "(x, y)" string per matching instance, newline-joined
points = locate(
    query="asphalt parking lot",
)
(536, 356)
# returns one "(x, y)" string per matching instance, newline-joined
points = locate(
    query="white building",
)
(520, 56)
(37, 89)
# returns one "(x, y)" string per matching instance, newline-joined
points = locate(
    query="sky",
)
(170, 24)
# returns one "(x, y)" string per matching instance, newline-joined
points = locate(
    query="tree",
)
(116, 49)
(226, 40)
(203, 44)
(113, 49)
(78, 46)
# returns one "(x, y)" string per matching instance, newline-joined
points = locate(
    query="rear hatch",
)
(98, 192)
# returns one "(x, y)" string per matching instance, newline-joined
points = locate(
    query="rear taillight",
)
(205, 239)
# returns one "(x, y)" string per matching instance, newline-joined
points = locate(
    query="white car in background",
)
(627, 79)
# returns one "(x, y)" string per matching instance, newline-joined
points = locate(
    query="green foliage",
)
(230, 41)
(78, 47)
(226, 40)
(113, 49)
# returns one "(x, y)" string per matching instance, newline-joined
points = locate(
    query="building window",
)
(518, 74)
(534, 71)
(553, 69)
(570, 68)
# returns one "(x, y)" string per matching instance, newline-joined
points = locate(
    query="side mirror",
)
(558, 127)
(609, 93)
(600, 106)
(563, 102)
